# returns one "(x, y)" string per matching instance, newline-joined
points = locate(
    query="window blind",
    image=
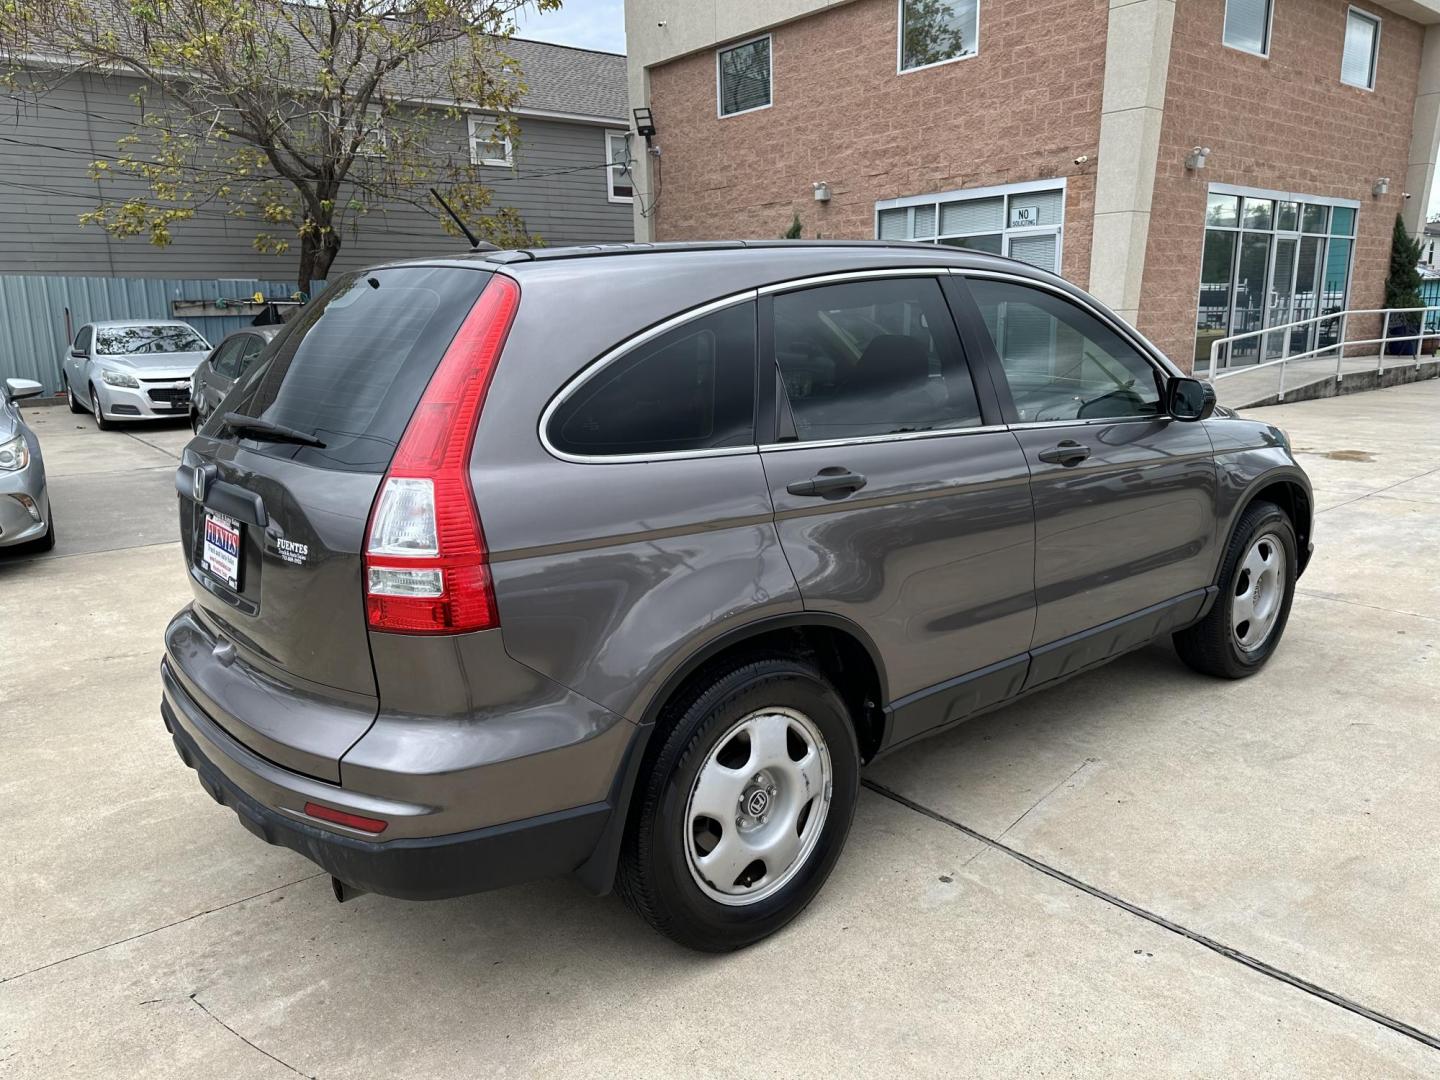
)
(745, 77)
(1247, 24)
(1357, 65)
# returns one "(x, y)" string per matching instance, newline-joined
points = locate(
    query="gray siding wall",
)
(46, 148)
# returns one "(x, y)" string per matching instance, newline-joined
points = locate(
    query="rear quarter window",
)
(351, 368)
(691, 388)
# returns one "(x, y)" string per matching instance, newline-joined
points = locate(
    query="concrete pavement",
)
(1221, 878)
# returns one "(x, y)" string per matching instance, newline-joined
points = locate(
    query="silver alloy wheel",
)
(1258, 592)
(758, 806)
(95, 401)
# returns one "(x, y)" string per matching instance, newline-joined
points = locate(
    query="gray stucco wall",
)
(46, 148)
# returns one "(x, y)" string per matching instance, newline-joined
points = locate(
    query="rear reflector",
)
(426, 568)
(340, 817)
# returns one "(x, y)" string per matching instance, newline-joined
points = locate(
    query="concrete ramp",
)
(1317, 377)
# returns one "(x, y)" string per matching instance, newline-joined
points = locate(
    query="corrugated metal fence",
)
(33, 329)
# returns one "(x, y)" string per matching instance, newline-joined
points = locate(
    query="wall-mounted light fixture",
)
(644, 124)
(822, 191)
(1196, 159)
(1382, 187)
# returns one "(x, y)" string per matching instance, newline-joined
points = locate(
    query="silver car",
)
(132, 369)
(233, 357)
(25, 521)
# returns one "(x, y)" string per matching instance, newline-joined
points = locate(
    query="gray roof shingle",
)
(560, 78)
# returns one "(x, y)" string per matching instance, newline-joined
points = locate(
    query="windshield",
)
(146, 340)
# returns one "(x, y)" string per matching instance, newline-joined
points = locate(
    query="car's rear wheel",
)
(745, 808)
(70, 400)
(100, 421)
(1257, 584)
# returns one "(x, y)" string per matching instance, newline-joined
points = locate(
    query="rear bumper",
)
(429, 868)
(580, 839)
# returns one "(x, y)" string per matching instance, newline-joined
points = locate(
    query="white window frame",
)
(967, 194)
(1374, 49)
(374, 143)
(901, 69)
(491, 121)
(1269, 31)
(769, 75)
(615, 133)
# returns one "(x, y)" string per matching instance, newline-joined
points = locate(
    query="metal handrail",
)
(1338, 346)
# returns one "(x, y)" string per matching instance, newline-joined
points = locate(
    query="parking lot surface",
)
(1142, 873)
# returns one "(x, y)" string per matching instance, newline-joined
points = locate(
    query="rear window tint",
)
(692, 388)
(350, 370)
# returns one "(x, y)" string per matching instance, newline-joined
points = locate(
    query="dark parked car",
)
(232, 358)
(622, 562)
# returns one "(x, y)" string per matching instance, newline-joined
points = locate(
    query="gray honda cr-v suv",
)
(623, 561)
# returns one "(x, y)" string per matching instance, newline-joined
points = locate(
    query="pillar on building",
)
(1137, 63)
(1424, 134)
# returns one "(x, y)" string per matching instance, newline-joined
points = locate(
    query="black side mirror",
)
(79, 354)
(1190, 399)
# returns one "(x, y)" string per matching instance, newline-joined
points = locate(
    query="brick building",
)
(1061, 132)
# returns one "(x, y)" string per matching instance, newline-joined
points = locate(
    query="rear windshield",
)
(147, 340)
(351, 368)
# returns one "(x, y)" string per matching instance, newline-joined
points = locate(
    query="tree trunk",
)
(317, 254)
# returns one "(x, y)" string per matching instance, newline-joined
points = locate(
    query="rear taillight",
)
(425, 558)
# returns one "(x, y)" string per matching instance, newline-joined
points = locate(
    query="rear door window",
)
(351, 368)
(227, 357)
(254, 346)
(692, 388)
(872, 358)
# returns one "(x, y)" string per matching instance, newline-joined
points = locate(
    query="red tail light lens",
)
(425, 557)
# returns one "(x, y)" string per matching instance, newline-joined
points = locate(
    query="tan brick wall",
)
(1023, 109)
(1286, 123)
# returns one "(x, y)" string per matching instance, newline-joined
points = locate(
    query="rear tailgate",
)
(276, 648)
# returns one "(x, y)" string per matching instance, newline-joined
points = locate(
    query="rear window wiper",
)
(270, 430)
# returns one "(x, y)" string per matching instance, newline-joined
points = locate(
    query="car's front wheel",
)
(1257, 584)
(745, 808)
(100, 421)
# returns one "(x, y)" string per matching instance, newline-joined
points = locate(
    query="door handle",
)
(1068, 452)
(833, 481)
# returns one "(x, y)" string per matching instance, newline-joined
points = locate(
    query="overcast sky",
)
(589, 24)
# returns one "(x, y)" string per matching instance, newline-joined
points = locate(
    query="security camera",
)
(1407, 194)
(1082, 159)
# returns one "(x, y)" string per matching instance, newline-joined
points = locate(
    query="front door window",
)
(1269, 262)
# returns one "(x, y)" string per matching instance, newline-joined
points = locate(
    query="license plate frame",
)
(221, 543)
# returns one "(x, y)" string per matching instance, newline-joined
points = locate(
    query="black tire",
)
(654, 875)
(75, 406)
(100, 421)
(1210, 646)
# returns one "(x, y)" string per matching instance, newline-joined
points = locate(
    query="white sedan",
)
(132, 369)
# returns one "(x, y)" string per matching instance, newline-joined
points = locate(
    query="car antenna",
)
(474, 240)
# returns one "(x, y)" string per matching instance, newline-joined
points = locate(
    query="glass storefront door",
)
(1270, 260)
